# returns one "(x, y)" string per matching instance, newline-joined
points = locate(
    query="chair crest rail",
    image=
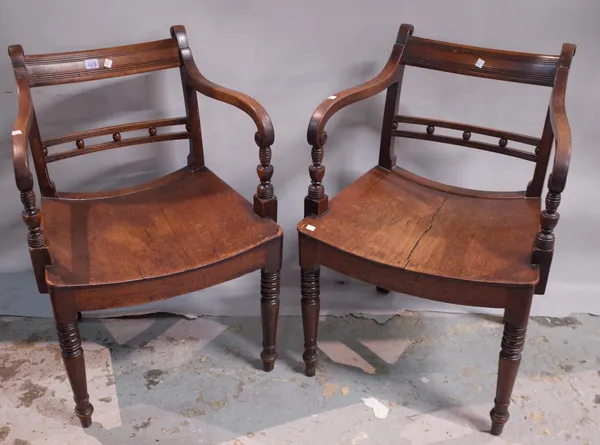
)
(510, 66)
(81, 66)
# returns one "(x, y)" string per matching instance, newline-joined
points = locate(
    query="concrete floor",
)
(176, 381)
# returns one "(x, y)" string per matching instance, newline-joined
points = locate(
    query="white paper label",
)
(107, 63)
(311, 228)
(479, 63)
(16, 132)
(92, 64)
(331, 97)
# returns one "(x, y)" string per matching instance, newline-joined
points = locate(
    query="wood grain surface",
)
(393, 221)
(182, 225)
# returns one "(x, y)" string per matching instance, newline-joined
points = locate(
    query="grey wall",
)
(290, 56)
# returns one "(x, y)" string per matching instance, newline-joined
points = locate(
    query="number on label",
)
(92, 64)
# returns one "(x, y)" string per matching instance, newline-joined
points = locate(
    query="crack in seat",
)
(387, 218)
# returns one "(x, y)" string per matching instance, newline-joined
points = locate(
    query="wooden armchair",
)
(402, 232)
(183, 232)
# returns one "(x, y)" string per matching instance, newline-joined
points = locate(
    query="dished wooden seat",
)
(181, 224)
(388, 218)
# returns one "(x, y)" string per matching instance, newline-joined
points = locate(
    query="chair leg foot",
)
(268, 366)
(381, 290)
(310, 368)
(72, 353)
(310, 318)
(513, 341)
(498, 423)
(86, 422)
(269, 305)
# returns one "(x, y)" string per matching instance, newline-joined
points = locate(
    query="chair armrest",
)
(20, 132)
(265, 202)
(560, 123)
(265, 135)
(562, 135)
(239, 100)
(331, 105)
(543, 247)
(36, 240)
(316, 201)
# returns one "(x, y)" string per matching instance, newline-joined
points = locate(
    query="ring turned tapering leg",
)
(513, 341)
(310, 318)
(69, 340)
(269, 305)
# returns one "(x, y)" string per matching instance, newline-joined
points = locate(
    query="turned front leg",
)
(72, 353)
(513, 341)
(69, 340)
(269, 305)
(310, 318)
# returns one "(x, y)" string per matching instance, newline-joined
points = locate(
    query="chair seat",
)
(185, 221)
(398, 219)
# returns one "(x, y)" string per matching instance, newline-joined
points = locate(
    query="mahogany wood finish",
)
(402, 232)
(465, 142)
(180, 233)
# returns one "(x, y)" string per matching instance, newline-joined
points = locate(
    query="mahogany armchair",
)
(183, 232)
(402, 232)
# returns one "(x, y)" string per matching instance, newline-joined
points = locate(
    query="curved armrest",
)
(562, 135)
(38, 246)
(543, 247)
(239, 100)
(20, 132)
(334, 103)
(265, 202)
(23, 176)
(247, 104)
(560, 123)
